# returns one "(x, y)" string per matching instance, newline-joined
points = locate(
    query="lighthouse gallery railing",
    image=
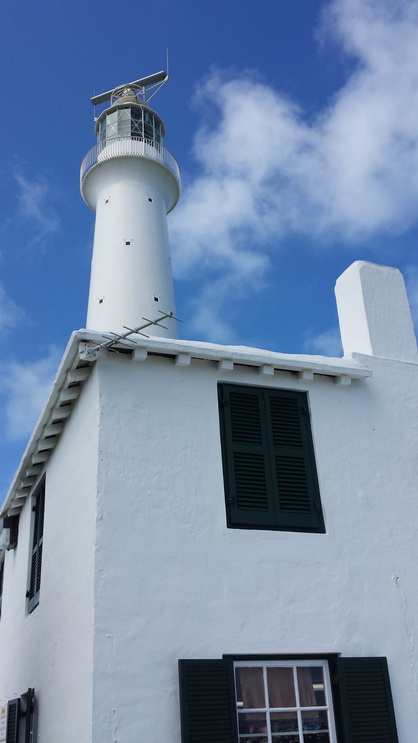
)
(129, 147)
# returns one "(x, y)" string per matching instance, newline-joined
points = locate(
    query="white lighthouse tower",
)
(132, 182)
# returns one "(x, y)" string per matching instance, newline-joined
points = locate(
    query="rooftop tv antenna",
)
(141, 87)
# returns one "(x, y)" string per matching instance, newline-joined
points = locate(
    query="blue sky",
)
(295, 124)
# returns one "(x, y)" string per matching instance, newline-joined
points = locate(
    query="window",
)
(20, 718)
(129, 122)
(291, 701)
(283, 701)
(13, 711)
(37, 544)
(268, 459)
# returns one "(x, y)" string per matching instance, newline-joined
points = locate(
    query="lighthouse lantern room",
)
(132, 182)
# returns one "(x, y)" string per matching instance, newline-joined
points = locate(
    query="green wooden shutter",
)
(37, 546)
(247, 470)
(27, 709)
(207, 701)
(268, 457)
(295, 480)
(13, 711)
(366, 701)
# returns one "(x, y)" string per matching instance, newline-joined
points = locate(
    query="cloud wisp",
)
(25, 386)
(11, 315)
(327, 343)
(266, 172)
(34, 207)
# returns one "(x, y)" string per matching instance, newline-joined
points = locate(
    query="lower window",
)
(233, 700)
(284, 702)
(20, 718)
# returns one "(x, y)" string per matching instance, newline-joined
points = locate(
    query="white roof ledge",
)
(85, 347)
(142, 348)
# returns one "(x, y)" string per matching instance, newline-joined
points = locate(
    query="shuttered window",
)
(20, 717)
(13, 710)
(37, 546)
(287, 702)
(268, 458)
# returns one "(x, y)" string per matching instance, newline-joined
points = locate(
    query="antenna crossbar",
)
(115, 338)
(141, 85)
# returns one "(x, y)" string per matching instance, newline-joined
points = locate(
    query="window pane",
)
(137, 128)
(316, 738)
(157, 127)
(111, 131)
(315, 720)
(124, 128)
(311, 687)
(250, 688)
(124, 113)
(281, 687)
(257, 739)
(252, 723)
(286, 739)
(136, 113)
(283, 722)
(148, 132)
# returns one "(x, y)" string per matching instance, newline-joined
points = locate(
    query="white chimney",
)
(374, 314)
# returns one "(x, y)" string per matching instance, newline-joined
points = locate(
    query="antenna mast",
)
(137, 87)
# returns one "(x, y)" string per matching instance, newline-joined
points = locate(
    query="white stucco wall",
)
(139, 568)
(51, 648)
(173, 582)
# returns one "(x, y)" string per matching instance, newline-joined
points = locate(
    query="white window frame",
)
(294, 664)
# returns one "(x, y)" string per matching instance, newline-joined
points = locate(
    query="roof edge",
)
(85, 347)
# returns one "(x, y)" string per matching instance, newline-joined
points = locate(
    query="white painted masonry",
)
(140, 568)
(52, 648)
(374, 312)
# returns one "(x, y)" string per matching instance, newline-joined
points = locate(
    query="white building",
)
(252, 514)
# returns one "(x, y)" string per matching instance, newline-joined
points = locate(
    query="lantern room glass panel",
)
(130, 121)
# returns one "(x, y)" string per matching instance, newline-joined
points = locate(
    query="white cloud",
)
(10, 314)
(207, 310)
(25, 386)
(327, 343)
(266, 171)
(34, 207)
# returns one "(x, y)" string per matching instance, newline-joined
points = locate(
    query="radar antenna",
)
(137, 87)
